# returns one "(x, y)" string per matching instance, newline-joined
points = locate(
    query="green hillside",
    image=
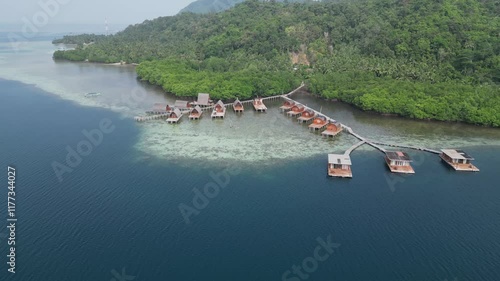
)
(420, 59)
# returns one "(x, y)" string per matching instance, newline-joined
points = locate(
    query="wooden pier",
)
(151, 117)
(339, 165)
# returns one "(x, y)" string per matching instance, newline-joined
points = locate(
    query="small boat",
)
(92, 95)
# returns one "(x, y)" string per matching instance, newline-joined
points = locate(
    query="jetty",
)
(339, 165)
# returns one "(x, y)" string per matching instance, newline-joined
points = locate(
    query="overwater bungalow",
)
(296, 110)
(339, 165)
(219, 110)
(318, 123)
(306, 116)
(174, 116)
(287, 105)
(195, 113)
(332, 129)
(458, 160)
(203, 100)
(238, 106)
(399, 162)
(258, 105)
(160, 108)
(182, 104)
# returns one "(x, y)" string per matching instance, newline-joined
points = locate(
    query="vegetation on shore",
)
(421, 59)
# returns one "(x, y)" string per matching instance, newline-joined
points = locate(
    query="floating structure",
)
(195, 113)
(219, 110)
(399, 162)
(238, 106)
(318, 123)
(203, 100)
(182, 104)
(258, 105)
(306, 116)
(332, 129)
(174, 116)
(296, 110)
(159, 108)
(339, 165)
(458, 160)
(287, 105)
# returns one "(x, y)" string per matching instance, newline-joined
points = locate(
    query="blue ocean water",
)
(115, 214)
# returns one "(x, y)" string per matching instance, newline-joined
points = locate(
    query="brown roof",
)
(160, 107)
(177, 112)
(181, 104)
(196, 108)
(203, 99)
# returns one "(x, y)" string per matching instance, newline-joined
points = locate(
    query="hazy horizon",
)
(90, 12)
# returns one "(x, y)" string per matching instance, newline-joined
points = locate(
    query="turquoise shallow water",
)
(119, 209)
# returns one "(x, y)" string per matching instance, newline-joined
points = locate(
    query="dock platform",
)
(174, 116)
(458, 160)
(238, 106)
(296, 110)
(219, 110)
(195, 113)
(259, 106)
(332, 129)
(339, 165)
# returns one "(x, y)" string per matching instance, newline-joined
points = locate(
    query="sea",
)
(99, 196)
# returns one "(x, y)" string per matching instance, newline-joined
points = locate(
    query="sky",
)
(117, 12)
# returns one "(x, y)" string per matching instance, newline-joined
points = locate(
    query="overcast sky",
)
(91, 11)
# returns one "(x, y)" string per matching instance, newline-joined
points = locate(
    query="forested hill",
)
(422, 59)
